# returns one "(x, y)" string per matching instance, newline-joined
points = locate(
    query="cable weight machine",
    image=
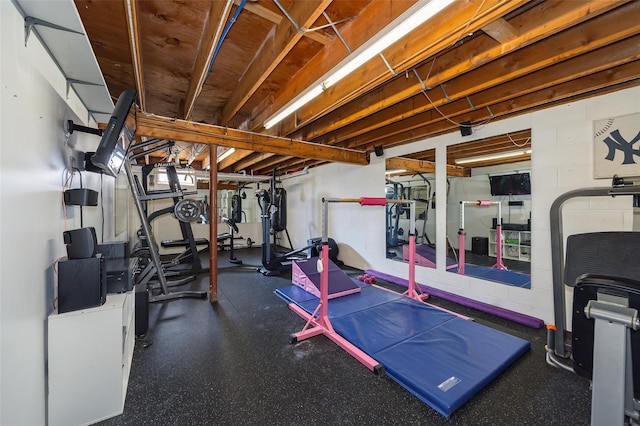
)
(151, 268)
(273, 207)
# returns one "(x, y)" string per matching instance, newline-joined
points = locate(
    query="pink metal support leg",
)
(413, 291)
(499, 264)
(321, 324)
(461, 252)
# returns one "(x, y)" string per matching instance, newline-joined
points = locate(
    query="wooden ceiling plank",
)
(250, 163)
(269, 15)
(172, 129)
(501, 31)
(533, 25)
(218, 15)
(274, 49)
(261, 11)
(473, 82)
(423, 166)
(422, 43)
(238, 155)
(586, 86)
(370, 21)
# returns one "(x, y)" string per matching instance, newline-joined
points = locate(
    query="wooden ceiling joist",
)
(218, 15)
(373, 18)
(417, 47)
(272, 52)
(457, 64)
(153, 126)
(422, 166)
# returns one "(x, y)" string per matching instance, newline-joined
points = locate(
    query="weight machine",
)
(186, 211)
(273, 206)
(151, 268)
(604, 343)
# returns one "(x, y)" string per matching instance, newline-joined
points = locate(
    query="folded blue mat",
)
(442, 359)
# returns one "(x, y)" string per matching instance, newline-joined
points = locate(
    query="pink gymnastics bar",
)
(321, 324)
(318, 322)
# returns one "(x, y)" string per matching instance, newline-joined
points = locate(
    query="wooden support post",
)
(213, 223)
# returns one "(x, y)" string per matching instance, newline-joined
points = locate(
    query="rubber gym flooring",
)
(230, 363)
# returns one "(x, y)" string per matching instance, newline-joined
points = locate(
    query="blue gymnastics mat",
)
(440, 358)
(512, 278)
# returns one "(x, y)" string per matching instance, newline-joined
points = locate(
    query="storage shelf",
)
(89, 361)
(518, 247)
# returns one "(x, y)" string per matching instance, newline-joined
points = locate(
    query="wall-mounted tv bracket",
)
(70, 127)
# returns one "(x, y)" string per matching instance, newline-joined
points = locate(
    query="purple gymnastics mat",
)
(440, 358)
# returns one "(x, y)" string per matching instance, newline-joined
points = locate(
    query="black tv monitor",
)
(511, 184)
(117, 136)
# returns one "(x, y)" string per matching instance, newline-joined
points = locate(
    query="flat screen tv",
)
(511, 184)
(117, 136)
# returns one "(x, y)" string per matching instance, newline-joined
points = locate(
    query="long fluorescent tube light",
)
(410, 20)
(394, 172)
(498, 156)
(225, 154)
(302, 100)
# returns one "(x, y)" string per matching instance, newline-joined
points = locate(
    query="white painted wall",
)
(561, 161)
(34, 154)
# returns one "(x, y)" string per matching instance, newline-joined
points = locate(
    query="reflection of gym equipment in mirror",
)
(394, 211)
(602, 268)
(424, 198)
(461, 234)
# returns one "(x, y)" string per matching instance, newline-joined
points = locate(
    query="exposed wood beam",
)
(532, 26)
(563, 72)
(414, 48)
(238, 155)
(501, 31)
(422, 166)
(167, 128)
(275, 48)
(276, 18)
(215, 22)
(356, 32)
(131, 11)
(466, 92)
(609, 80)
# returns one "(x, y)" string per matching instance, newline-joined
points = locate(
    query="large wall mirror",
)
(489, 209)
(411, 178)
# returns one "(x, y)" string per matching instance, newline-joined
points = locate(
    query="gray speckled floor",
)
(229, 363)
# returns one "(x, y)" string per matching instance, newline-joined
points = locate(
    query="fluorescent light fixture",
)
(407, 22)
(498, 156)
(294, 106)
(225, 154)
(394, 172)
